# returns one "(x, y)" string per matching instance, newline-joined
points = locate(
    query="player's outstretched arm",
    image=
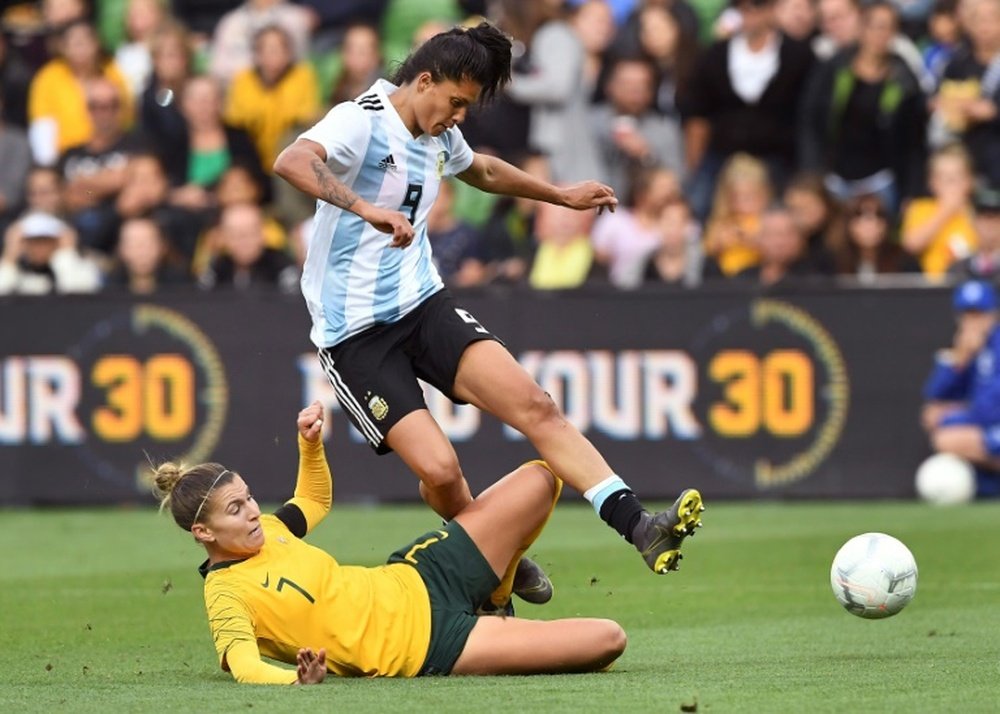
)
(303, 164)
(310, 422)
(494, 175)
(314, 485)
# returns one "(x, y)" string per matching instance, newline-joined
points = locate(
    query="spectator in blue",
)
(962, 409)
(944, 36)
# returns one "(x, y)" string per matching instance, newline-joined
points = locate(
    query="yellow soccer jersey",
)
(371, 621)
(957, 239)
(56, 93)
(268, 113)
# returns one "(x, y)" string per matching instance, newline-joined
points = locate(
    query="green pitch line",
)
(100, 611)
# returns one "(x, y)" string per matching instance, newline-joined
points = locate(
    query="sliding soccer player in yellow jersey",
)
(269, 593)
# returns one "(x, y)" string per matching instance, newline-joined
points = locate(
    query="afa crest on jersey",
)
(441, 161)
(378, 407)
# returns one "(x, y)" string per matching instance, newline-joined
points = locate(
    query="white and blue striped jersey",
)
(352, 278)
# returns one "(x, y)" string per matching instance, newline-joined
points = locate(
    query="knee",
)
(538, 410)
(613, 641)
(439, 470)
(542, 477)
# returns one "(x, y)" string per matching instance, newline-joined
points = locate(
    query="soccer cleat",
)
(531, 584)
(658, 537)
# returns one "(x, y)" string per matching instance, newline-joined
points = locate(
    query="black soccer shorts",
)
(375, 372)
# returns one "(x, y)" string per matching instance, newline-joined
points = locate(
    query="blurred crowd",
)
(761, 142)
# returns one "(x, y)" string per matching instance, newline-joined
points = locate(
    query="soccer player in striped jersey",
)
(381, 316)
(268, 592)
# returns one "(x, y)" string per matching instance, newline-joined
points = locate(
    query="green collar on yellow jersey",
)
(204, 568)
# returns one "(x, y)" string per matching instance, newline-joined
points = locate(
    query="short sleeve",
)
(42, 94)
(460, 153)
(344, 133)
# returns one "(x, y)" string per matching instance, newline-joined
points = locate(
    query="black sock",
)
(622, 510)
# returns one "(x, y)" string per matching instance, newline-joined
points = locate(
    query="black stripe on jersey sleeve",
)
(293, 518)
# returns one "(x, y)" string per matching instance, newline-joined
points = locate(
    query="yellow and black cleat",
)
(658, 537)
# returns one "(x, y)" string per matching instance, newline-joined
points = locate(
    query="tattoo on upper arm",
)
(330, 189)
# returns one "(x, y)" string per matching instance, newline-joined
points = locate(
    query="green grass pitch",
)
(102, 612)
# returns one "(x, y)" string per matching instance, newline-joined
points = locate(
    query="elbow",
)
(281, 163)
(482, 176)
(292, 158)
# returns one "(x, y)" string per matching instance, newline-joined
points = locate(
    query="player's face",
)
(441, 105)
(234, 520)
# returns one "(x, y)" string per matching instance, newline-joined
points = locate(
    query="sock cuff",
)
(599, 493)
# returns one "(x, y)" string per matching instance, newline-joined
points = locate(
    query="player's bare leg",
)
(510, 514)
(490, 378)
(502, 522)
(505, 520)
(422, 446)
(512, 645)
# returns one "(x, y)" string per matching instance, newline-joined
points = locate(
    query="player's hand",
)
(589, 194)
(392, 222)
(310, 421)
(311, 666)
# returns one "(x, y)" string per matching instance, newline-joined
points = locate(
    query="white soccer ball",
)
(873, 576)
(946, 479)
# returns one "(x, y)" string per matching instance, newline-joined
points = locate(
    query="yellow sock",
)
(502, 594)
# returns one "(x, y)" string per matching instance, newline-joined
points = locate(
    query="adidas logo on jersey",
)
(387, 164)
